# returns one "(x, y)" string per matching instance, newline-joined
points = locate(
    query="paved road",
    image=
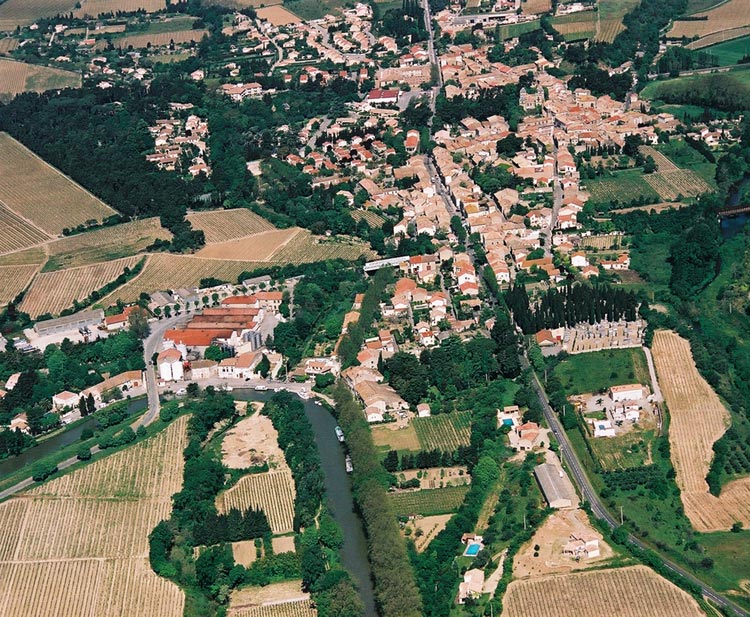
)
(434, 60)
(588, 493)
(152, 345)
(652, 373)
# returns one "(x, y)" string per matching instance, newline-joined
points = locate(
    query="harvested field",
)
(251, 442)
(41, 194)
(283, 544)
(17, 77)
(225, 225)
(697, 420)
(52, 292)
(551, 538)
(24, 12)
(671, 185)
(272, 491)
(719, 37)
(576, 25)
(104, 244)
(35, 256)
(96, 7)
(243, 4)
(245, 552)
(306, 248)
(444, 432)
(626, 592)
(157, 39)
(7, 45)
(169, 271)
(13, 280)
(16, 233)
(258, 247)
(78, 545)
(536, 7)
(727, 16)
(275, 600)
(278, 15)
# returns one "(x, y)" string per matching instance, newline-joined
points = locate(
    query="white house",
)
(628, 392)
(472, 585)
(603, 428)
(65, 400)
(578, 260)
(169, 362)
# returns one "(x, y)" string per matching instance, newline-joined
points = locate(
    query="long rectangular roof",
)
(555, 483)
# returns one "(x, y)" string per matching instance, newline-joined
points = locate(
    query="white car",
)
(181, 392)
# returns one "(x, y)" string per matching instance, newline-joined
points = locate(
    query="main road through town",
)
(570, 458)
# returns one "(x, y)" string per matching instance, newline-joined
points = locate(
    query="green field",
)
(513, 30)
(648, 257)
(429, 502)
(685, 157)
(731, 557)
(622, 186)
(729, 52)
(314, 9)
(630, 450)
(444, 432)
(597, 371)
(576, 26)
(652, 89)
(699, 6)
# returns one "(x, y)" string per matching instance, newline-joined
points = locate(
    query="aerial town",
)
(374, 309)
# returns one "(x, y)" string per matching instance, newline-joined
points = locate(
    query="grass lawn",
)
(386, 438)
(731, 556)
(597, 371)
(729, 52)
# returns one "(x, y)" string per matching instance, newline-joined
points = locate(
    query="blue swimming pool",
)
(508, 422)
(472, 550)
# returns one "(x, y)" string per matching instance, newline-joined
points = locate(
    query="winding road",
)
(588, 493)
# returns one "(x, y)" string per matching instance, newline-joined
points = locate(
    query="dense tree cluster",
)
(570, 305)
(491, 101)
(396, 591)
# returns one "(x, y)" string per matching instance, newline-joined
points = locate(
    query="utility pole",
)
(621, 521)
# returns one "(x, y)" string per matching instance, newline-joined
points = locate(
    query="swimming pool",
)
(472, 550)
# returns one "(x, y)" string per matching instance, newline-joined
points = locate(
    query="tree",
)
(391, 461)
(84, 453)
(90, 403)
(138, 323)
(264, 366)
(82, 407)
(215, 353)
(193, 389)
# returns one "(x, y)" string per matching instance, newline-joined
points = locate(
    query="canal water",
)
(60, 440)
(732, 225)
(339, 494)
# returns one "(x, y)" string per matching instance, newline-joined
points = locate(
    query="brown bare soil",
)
(252, 442)
(278, 15)
(283, 544)
(430, 526)
(551, 538)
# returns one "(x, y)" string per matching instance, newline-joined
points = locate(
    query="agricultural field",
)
(576, 26)
(41, 194)
(305, 248)
(242, 4)
(697, 420)
(372, 218)
(662, 162)
(96, 7)
(275, 600)
(52, 292)
(429, 502)
(536, 7)
(622, 187)
(17, 77)
(225, 225)
(7, 45)
(33, 256)
(596, 371)
(24, 12)
(725, 16)
(731, 52)
(278, 15)
(626, 592)
(78, 545)
(258, 247)
(609, 18)
(511, 31)
(313, 9)
(272, 491)
(605, 242)
(15, 233)
(727, 53)
(13, 280)
(677, 185)
(169, 271)
(104, 244)
(391, 437)
(444, 432)
(627, 451)
(157, 39)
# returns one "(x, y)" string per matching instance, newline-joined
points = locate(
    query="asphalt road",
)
(588, 493)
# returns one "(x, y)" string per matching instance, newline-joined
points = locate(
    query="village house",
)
(471, 587)
(629, 392)
(169, 362)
